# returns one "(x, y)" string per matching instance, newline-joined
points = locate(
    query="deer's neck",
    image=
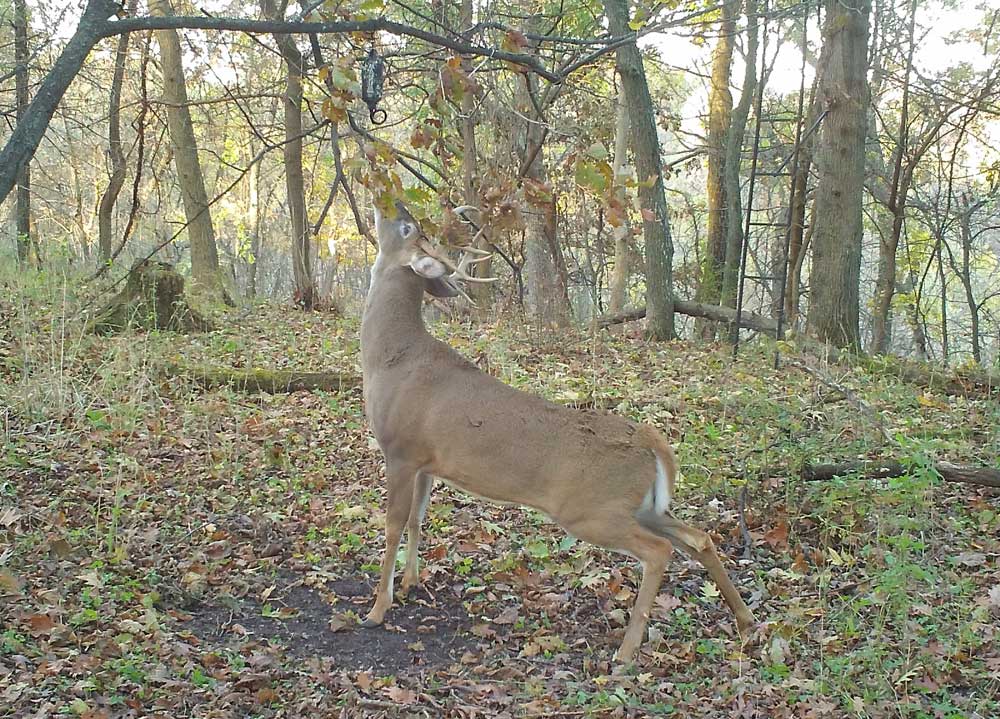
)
(392, 320)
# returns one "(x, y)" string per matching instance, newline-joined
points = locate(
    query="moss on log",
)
(153, 298)
(266, 380)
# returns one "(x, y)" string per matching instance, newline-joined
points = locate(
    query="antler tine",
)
(462, 209)
(457, 271)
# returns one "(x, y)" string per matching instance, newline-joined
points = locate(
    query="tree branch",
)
(179, 22)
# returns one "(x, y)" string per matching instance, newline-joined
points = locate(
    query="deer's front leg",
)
(421, 496)
(400, 479)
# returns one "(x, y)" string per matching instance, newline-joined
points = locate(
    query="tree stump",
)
(153, 298)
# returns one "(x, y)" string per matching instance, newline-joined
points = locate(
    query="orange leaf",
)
(41, 624)
(777, 536)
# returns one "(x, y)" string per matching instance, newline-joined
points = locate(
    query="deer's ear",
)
(440, 287)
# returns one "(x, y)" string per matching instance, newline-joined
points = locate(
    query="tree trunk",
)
(914, 320)
(965, 275)
(733, 148)
(482, 292)
(22, 210)
(547, 301)
(798, 240)
(885, 284)
(117, 156)
(942, 281)
(302, 273)
(720, 113)
(622, 233)
(834, 305)
(659, 249)
(205, 271)
(24, 140)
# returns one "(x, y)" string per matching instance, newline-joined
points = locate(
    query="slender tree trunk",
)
(734, 151)
(942, 280)
(482, 292)
(797, 243)
(720, 113)
(659, 249)
(115, 153)
(205, 270)
(22, 210)
(302, 271)
(885, 284)
(964, 272)
(544, 274)
(834, 305)
(622, 233)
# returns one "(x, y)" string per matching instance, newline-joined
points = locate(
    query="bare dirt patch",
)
(418, 633)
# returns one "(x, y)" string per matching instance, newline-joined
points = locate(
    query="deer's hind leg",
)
(617, 530)
(654, 552)
(400, 478)
(700, 546)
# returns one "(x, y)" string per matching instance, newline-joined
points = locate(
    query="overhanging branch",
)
(187, 22)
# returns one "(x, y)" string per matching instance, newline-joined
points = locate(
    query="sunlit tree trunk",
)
(620, 269)
(22, 210)
(546, 300)
(733, 148)
(834, 303)
(659, 249)
(205, 271)
(720, 113)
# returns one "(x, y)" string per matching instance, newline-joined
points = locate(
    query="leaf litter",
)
(170, 551)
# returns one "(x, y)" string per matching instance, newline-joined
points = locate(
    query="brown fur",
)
(434, 414)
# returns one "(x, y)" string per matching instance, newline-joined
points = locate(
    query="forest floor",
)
(171, 551)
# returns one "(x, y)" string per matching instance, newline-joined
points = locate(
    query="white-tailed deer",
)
(603, 478)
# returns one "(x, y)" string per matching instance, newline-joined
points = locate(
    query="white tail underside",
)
(658, 497)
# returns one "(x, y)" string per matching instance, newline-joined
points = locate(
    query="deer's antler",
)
(470, 254)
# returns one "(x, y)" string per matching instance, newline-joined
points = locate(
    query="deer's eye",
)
(406, 230)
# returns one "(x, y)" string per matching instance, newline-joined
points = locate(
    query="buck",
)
(435, 415)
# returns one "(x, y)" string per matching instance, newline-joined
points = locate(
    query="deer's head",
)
(401, 243)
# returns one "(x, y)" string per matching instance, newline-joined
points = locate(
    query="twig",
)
(744, 530)
(849, 395)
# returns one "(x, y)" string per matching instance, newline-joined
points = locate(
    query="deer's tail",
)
(657, 500)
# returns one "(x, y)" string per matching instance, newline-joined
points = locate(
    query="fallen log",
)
(884, 469)
(748, 320)
(266, 380)
(965, 381)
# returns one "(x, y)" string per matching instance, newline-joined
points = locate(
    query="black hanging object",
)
(372, 78)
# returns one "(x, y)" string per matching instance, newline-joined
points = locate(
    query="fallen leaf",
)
(401, 695)
(10, 583)
(363, 681)
(971, 559)
(507, 616)
(777, 536)
(41, 624)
